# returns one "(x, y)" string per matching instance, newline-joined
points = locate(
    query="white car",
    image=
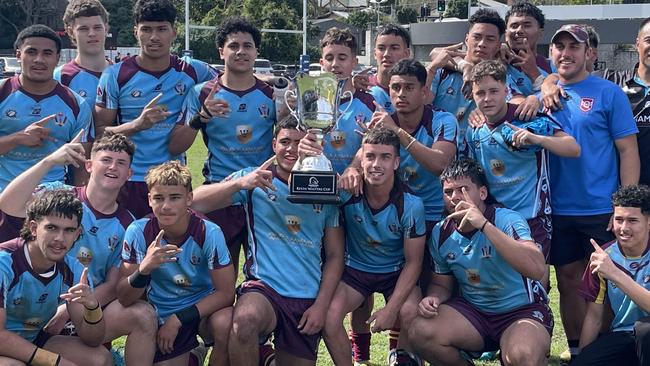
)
(315, 69)
(263, 67)
(10, 66)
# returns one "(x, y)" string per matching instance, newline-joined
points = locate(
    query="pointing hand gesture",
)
(260, 177)
(601, 263)
(36, 133)
(71, 153)
(151, 114)
(157, 254)
(82, 292)
(212, 107)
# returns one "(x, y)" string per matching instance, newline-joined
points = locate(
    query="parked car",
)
(262, 67)
(315, 69)
(10, 66)
(290, 71)
(278, 69)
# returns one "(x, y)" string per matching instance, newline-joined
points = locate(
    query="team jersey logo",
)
(36, 110)
(43, 298)
(486, 252)
(242, 108)
(520, 81)
(467, 250)
(17, 301)
(93, 230)
(586, 104)
(60, 119)
(451, 256)
(112, 242)
(473, 276)
(337, 139)
(180, 88)
(497, 167)
(158, 88)
(318, 207)
(451, 91)
(136, 93)
(264, 111)
(272, 196)
(195, 259)
(372, 243)
(409, 174)
(85, 256)
(32, 323)
(82, 93)
(460, 114)
(181, 280)
(387, 105)
(11, 113)
(646, 278)
(244, 133)
(293, 223)
(358, 218)
(393, 228)
(538, 315)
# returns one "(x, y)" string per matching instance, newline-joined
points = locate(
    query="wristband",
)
(195, 122)
(410, 143)
(483, 226)
(93, 316)
(188, 315)
(139, 280)
(205, 110)
(42, 357)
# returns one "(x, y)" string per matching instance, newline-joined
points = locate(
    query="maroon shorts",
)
(491, 326)
(133, 196)
(232, 221)
(288, 312)
(367, 283)
(541, 230)
(185, 341)
(10, 226)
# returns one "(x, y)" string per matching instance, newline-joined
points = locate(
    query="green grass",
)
(379, 346)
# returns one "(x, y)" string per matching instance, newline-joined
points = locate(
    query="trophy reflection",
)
(317, 110)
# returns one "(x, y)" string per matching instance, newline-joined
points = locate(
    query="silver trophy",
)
(317, 110)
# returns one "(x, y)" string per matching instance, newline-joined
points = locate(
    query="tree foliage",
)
(407, 15)
(456, 9)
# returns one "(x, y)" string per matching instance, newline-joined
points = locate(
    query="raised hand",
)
(157, 254)
(521, 136)
(212, 107)
(260, 177)
(82, 293)
(468, 213)
(601, 263)
(443, 56)
(476, 118)
(309, 145)
(151, 114)
(36, 133)
(381, 118)
(361, 81)
(525, 60)
(528, 109)
(71, 153)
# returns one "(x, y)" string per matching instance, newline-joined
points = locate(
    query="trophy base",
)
(313, 187)
(317, 198)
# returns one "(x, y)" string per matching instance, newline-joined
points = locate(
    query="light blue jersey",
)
(374, 239)
(30, 300)
(128, 88)
(177, 285)
(19, 109)
(83, 81)
(435, 126)
(518, 178)
(285, 239)
(485, 279)
(381, 95)
(599, 290)
(239, 140)
(99, 248)
(342, 143)
(596, 114)
(448, 96)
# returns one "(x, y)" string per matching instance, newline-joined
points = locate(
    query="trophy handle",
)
(286, 94)
(341, 113)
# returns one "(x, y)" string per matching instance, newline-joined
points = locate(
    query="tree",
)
(407, 16)
(361, 19)
(456, 9)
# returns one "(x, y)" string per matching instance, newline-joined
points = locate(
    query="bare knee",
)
(246, 325)
(407, 314)
(100, 357)
(142, 317)
(220, 325)
(420, 333)
(523, 354)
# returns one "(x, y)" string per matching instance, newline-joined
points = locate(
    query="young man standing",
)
(616, 280)
(100, 246)
(513, 153)
(182, 263)
(37, 113)
(34, 273)
(142, 96)
(489, 252)
(86, 23)
(595, 110)
(289, 288)
(236, 114)
(385, 231)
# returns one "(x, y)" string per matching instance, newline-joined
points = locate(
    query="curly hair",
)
(488, 16)
(237, 25)
(154, 11)
(637, 195)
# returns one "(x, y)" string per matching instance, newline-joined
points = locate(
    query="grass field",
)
(379, 346)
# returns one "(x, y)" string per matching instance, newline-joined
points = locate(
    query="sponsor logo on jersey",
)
(451, 91)
(473, 276)
(244, 133)
(11, 113)
(136, 93)
(451, 256)
(264, 111)
(467, 250)
(158, 88)
(82, 93)
(17, 301)
(272, 196)
(181, 280)
(293, 223)
(520, 81)
(586, 104)
(372, 242)
(337, 139)
(393, 228)
(180, 88)
(42, 298)
(36, 110)
(497, 167)
(358, 218)
(60, 119)
(112, 242)
(84, 256)
(93, 230)
(242, 107)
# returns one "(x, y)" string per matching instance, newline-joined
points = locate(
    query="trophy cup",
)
(317, 110)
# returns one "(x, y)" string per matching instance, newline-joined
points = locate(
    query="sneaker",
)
(565, 357)
(362, 363)
(488, 356)
(118, 357)
(198, 354)
(400, 357)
